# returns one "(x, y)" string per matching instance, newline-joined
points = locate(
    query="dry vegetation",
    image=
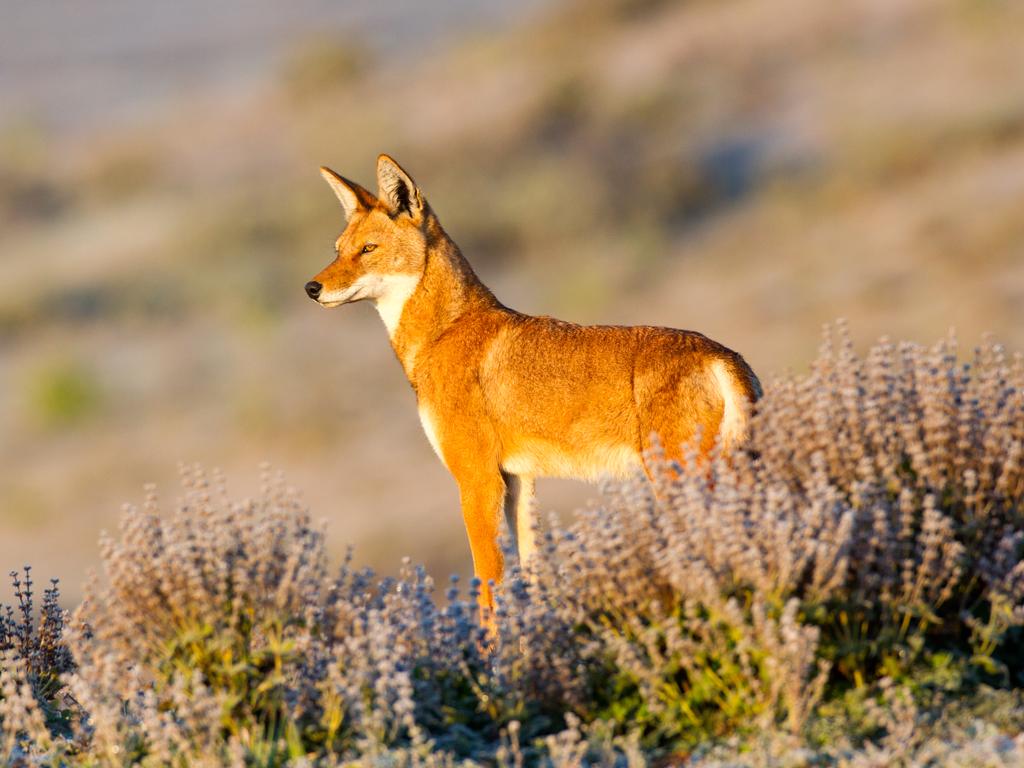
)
(848, 590)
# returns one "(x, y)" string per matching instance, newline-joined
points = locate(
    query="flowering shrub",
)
(33, 655)
(927, 457)
(850, 579)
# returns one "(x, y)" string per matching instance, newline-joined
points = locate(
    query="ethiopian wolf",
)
(505, 397)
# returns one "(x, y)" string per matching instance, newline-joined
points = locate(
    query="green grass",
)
(65, 393)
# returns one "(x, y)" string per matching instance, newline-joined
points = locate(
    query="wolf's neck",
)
(420, 308)
(392, 303)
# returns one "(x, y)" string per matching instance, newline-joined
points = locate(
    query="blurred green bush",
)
(64, 393)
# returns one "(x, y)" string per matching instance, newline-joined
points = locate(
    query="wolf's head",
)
(381, 253)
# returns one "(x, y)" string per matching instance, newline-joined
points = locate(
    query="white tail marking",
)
(733, 428)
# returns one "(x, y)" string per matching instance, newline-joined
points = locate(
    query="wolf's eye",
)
(368, 247)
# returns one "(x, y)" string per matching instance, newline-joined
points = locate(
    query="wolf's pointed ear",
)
(398, 190)
(351, 196)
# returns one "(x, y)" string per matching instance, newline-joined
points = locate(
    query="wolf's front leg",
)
(482, 494)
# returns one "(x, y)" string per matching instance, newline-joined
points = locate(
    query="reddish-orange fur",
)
(506, 397)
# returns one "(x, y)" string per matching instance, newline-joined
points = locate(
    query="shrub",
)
(856, 570)
(199, 645)
(925, 453)
(220, 636)
(33, 656)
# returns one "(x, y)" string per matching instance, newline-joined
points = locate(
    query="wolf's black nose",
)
(313, 289)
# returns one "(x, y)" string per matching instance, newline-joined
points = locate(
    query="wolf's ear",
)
(398, 190)
(351, 196)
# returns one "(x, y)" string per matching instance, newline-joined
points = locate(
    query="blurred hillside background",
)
(747, 169)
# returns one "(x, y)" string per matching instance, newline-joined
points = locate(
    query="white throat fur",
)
(393, 291)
